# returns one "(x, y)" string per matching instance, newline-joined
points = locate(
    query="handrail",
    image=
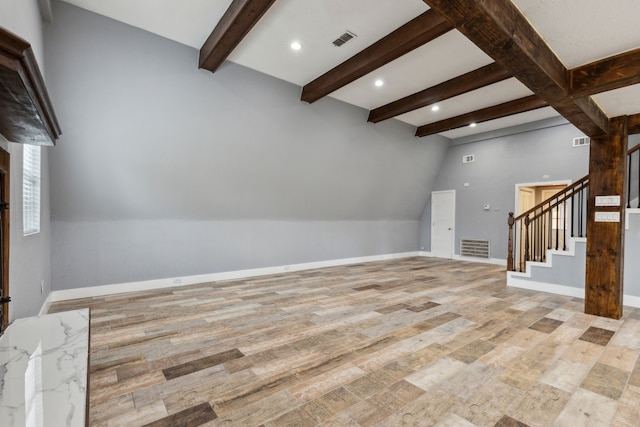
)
(580, 182)
(546, 224)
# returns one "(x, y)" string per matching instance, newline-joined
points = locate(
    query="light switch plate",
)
(607, 200)
(607, 216)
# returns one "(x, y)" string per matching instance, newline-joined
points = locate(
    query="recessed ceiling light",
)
(378, 83)
(472, 125)
(296, 45)
(435, 108)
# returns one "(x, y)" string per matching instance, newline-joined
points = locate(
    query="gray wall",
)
(570, 270)
(164, 170)
(566, 270)
(501, 163)
(631, 256)
(30, 260)
(106, 252)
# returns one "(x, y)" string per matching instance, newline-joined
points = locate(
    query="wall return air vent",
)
(474, 248)
(348, 35)
(468, 158)
(581, 141)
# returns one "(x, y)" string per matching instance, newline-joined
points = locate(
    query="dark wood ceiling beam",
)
(490, 113)
(234, 25)
(476, 79)
(634, 124)
(606, 74)
(502, 32)
(413, 34)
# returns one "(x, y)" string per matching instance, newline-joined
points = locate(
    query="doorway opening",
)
(530, 195)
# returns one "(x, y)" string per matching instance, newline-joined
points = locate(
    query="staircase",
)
(547, 243)
(548, 226)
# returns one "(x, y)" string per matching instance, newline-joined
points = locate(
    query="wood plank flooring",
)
(412, 342)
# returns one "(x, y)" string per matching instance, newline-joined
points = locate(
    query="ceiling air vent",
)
(468, 158)
(348, 35)
(581, 141)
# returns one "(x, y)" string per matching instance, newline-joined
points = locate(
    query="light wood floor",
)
(413, 342)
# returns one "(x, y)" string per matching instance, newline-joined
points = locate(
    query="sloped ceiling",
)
(578, 32)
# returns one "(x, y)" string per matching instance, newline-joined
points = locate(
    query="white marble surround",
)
(43, 370)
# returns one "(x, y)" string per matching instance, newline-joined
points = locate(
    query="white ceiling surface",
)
(316, 24)
(505, 122)
(620, 101)
(188, 21)
(497, 93)
(583, 31)
(426, 66)
(579, 31)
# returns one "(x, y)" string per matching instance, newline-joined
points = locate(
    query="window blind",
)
(31, 190)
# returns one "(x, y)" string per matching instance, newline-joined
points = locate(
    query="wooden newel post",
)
(510, 221)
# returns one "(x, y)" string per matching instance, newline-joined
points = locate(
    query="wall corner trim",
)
(45, 305)
(627, 212)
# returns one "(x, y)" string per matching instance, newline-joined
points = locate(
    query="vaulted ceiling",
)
(494, 63)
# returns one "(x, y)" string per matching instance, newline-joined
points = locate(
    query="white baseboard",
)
(512, 280)
(545, 287)
(146, 285)
(517, 279)
(96, 291)
(627, 300)
(631, 301)
(571, 251)
(496, 261)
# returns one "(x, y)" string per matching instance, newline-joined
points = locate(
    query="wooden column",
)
(605, 240)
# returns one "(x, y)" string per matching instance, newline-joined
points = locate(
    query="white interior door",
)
(443, 214)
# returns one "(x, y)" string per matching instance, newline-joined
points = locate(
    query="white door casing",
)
(443, 207)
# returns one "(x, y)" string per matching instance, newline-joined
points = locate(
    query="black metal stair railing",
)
(548, 225)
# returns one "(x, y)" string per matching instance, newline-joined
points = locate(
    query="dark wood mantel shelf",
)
(26, 113)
